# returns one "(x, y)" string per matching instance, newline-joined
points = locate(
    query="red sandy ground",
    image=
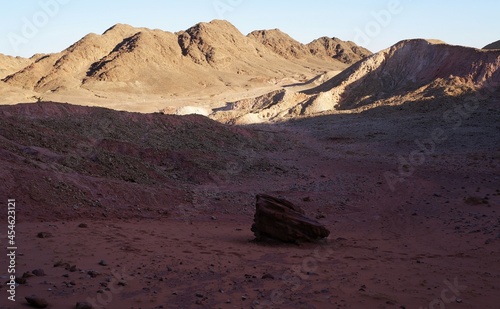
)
(433, 242)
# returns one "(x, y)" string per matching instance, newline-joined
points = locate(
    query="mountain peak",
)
(121, 30)
(343, 51)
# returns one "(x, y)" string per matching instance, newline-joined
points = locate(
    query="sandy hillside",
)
(9, 65)
(416, 73)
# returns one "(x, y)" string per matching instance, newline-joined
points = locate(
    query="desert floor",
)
(430, 241)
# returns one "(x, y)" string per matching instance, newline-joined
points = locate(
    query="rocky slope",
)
(10, 65)
(280, 43)
(76, 161)
(410, 71)
(322, 48)
(346, 52)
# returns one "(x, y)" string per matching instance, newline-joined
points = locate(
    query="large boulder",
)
(280, 219)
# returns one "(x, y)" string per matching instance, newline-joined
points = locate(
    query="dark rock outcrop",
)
(281, 220)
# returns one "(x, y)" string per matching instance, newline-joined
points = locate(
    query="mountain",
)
(410, 71)
(334, 48)
(494, 45)
(67, 69)
(206, 59)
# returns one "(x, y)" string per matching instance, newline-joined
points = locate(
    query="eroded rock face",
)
(281, 220)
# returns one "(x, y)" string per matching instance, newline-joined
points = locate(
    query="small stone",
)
(83, 225)
(27, 274)
(228, 301)
(103, 263)
(44, 235)
(83, 305)
(37, 302)
(59, 264)
(199, 294)
(459, 300)
(320, 216)
(93, 273)
(38, 272)
(244, 297)
(20, 280)
(122, 283)
(268, 276)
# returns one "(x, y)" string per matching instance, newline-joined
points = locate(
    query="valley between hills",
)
(135, 157)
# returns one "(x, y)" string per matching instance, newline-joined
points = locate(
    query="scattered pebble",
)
(103, 263)
(199, 294)
(268, 276)
(83, 305)
(37, 302)
(38, 272)
(27, 274)
(44, 235)
(83, 225)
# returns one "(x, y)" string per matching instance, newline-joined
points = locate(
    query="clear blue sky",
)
(27, 28)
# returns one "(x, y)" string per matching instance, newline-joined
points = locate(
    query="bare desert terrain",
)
(127, 197)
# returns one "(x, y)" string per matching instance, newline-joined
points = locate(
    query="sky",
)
(28, 27)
